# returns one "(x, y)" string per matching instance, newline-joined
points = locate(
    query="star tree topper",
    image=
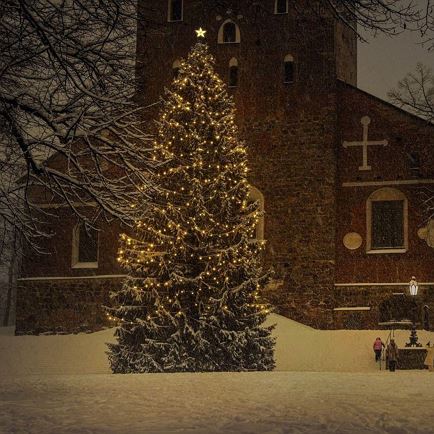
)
(200, 33)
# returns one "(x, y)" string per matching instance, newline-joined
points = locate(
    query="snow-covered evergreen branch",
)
(192, 301)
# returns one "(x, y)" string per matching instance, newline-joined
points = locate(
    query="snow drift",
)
(298, 348)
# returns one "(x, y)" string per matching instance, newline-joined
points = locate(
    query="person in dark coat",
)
(429, 360)
(426, 318)
(392, 355)
(378, 347)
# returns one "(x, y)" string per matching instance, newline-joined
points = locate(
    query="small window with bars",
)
(289, 69)
(233, 72)
(281, 7)
(175, 10)
(229, 33)
(387, 224)
(84, 247)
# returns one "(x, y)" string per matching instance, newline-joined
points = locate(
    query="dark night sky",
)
(384, 61)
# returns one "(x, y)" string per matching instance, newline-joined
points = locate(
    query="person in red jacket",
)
(378, 346)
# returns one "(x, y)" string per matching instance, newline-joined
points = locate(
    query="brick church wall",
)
(56, 257)
(374, 297)
(294, 134)
(392, 168)
(411, 358)
(63, 305)
(346, 54)
(290, 131)
(297, 180)
(53, 296)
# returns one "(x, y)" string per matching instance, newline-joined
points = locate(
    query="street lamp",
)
(413, 286)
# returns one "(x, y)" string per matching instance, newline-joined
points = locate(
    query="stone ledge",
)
(63, 306)
(411, 358)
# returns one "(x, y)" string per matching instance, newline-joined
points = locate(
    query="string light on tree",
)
(192, 300)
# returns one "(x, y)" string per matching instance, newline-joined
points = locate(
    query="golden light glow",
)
(196, 244)
(200, 33)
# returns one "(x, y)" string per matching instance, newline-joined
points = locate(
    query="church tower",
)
(281, 60)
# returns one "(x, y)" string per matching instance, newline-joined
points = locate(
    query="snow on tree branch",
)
(70, 132)
(193, 297)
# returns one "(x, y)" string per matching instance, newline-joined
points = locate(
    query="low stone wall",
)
(74, 305)
(351, 307)
(355, 318)
(63, 305)
(383, 306)
(306, 307)
(411, 358)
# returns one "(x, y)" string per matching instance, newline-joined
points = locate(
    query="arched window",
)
(233, 72)
(175, 68)
(256, 196)
(289, 69)
(229, 33)
(84, 247)
(281, 7)
(387, 222)
(175, 10)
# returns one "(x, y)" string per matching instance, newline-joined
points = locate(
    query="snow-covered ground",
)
(277, 402)
(62, 384)
(299, 348)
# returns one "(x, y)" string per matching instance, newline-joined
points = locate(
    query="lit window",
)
(387, 222)
(229, 33)
(175, 10)
(289, 69)
(281, 7)
(175, 68)
(233, 72)
(84, 247)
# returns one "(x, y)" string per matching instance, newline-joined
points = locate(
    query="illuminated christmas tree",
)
(192, 298)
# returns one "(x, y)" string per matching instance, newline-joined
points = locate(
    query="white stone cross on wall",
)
(365, 121)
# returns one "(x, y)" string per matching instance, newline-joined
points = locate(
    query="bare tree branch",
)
(373, 16)
(415, 93)
(69, 126)
(70, 132)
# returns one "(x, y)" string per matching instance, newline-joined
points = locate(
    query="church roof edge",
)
(389, 104)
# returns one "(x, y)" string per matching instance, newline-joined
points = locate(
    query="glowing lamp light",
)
(413, 286)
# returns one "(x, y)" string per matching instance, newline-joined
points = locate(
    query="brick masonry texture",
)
(294, 134)
(411, 358)
(290, 131)
(406, 135)
(57, 261)
(384, 306)
(63, 306)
